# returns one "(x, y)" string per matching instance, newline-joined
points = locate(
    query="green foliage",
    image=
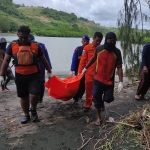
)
(13, 26)
(4, 24)
(131, 37)
(47, 22)
(59, 15)
(83, 19)
(8, 7)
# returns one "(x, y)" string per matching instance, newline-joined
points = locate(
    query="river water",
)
(60, 50)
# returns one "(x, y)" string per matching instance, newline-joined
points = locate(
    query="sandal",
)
(4, 91)
(7, 89)
(98, 123)
(138, 97)
(144, 97)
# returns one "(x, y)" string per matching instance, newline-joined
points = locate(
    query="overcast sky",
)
(104, 12)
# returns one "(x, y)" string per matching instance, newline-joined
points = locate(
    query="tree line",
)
(62, 25)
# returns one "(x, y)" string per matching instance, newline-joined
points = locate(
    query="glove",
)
(120, 87)
(84, 71)
(50, 75)
(2, 80)
(72, 73)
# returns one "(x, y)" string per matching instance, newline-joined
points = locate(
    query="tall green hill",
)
(45, 21)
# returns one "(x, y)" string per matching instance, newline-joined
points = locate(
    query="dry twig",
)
(15, 144)
(121, 123)
(115, 113)
(99, 141)
(82, 138)
(86, 143)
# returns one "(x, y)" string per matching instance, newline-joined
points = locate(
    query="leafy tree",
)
(131, 34)
(56, 23)
(4, 24)
(13, 26)
(83, 19)
(75, 27)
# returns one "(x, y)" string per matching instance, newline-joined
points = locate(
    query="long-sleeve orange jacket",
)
(88, 52)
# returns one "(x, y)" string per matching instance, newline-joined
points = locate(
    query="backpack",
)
(26, 56)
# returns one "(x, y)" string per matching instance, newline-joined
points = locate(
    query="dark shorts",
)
(27, 84)
(102, 92)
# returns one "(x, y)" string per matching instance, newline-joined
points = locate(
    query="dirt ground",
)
(61, 126)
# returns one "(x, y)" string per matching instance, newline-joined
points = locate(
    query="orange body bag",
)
(63, 89)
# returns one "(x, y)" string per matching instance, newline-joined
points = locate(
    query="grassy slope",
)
(34, 17)
(17, 20)
(35, 12)
(31, 11)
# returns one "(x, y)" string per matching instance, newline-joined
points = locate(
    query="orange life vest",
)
(25, 58)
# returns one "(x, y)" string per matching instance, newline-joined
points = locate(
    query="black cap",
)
(110, 35)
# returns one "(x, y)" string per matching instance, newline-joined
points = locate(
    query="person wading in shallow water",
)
(107, 58)
(27, 77)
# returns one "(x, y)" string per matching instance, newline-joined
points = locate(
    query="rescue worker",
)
(74, 67)
(2, 55)
(145, 81)
(42, 68)
(87, 53)
(107, 58)
(27, 77)
(9, 74)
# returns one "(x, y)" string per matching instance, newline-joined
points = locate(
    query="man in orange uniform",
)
(26, 54)
(88, 52)
(107, 58)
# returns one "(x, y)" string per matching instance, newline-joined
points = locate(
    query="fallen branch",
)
(121, 123)
(81, 118)
(86, 143)
(15, 144)
(116, 113)
(147, 142)
(99, 141)
(144, 114)
(147, 116)
(82, 138)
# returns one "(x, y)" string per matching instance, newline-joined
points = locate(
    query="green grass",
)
(30, 11)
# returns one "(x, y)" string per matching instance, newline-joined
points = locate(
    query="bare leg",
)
(24, 102)
(34, 101)
(98, 120)
(3, 87)
(6, 82)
